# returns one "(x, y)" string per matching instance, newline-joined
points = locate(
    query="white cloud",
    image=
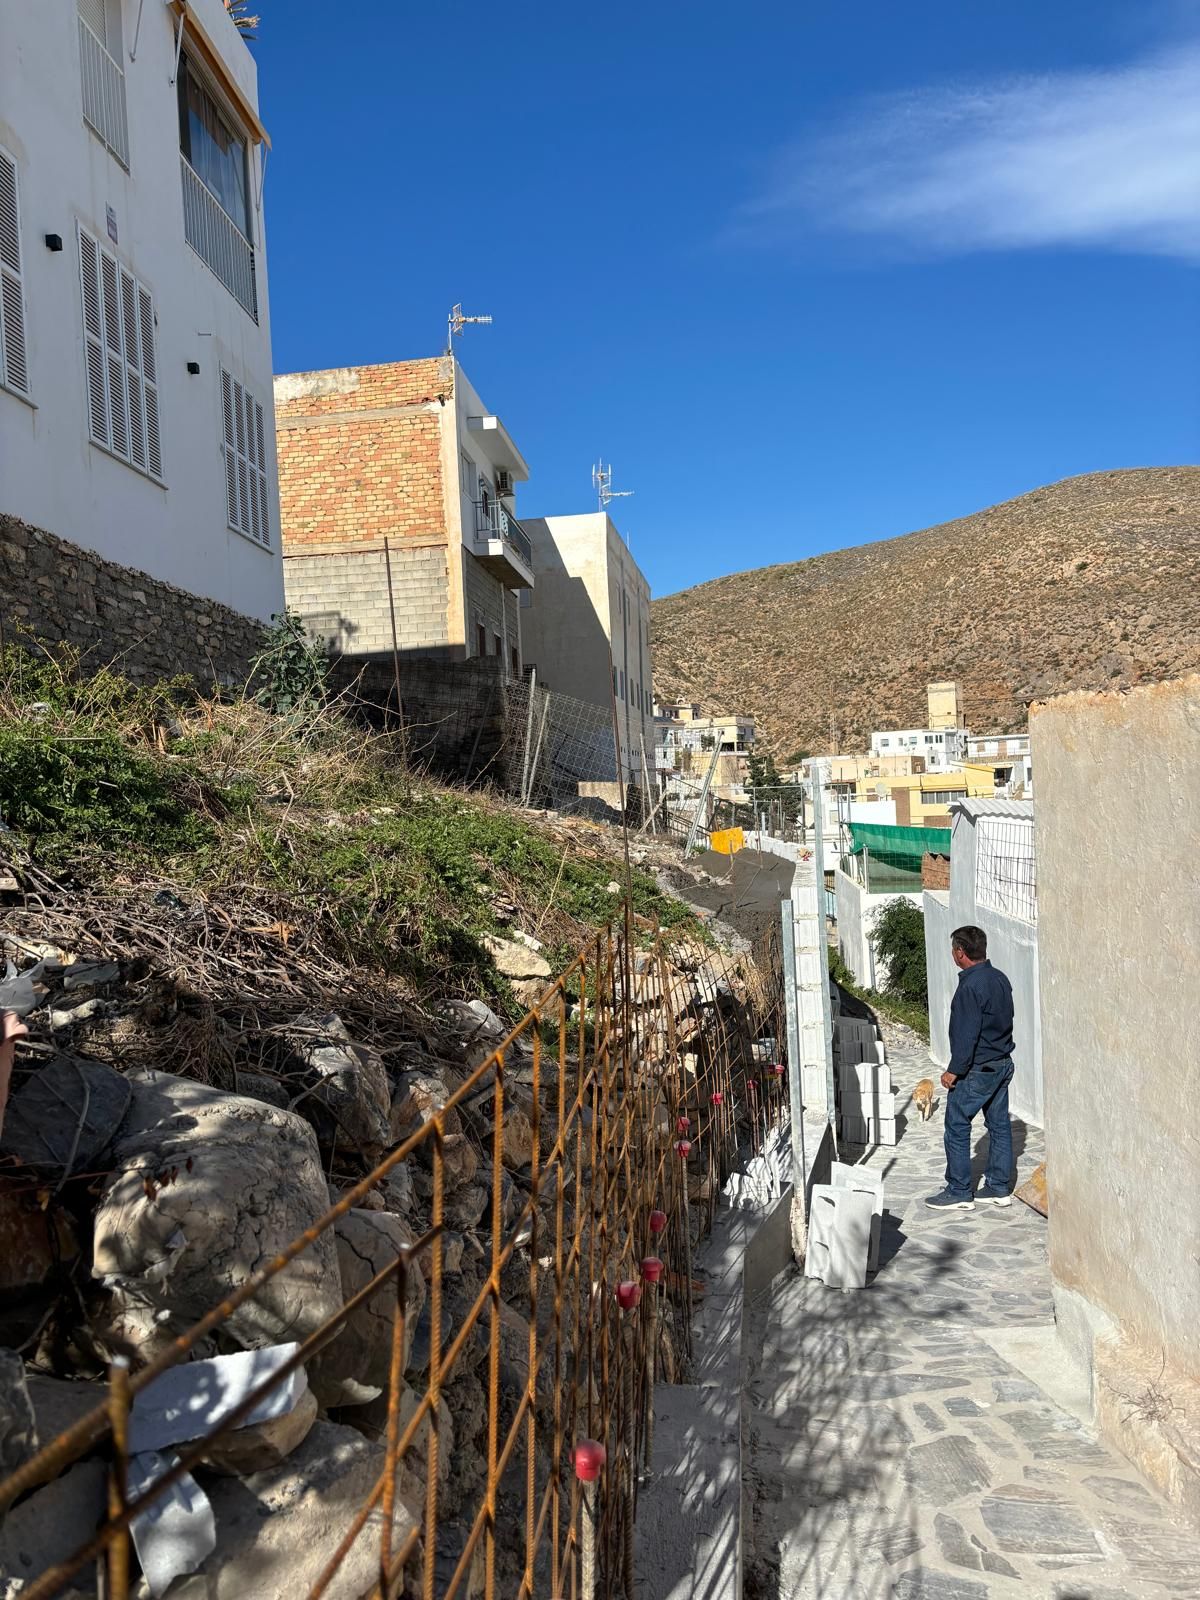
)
(1101, 159)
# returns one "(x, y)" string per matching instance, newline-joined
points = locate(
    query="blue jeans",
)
(983, 1089)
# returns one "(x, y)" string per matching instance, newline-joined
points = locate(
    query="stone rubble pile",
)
(134, 1201)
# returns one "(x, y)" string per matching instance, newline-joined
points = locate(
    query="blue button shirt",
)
(981, 1019)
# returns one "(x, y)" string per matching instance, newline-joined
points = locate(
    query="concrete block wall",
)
(60, 593)
(489, 603)
(342, 596)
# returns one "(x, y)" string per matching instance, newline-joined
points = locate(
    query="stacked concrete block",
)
(840, 1230)
(863, 1181)
(866, 1101)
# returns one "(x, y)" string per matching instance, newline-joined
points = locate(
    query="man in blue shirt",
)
(980, 1071)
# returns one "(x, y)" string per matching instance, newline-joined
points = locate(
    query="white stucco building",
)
(940, 747)
(136, 415)
(585, 625)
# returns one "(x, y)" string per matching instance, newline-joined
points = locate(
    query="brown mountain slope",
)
(1090, 583)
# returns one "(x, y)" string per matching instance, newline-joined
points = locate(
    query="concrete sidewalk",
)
(924, 1438)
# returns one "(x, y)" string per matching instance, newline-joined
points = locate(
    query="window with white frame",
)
(122, 366)
(247, 502)
(14, 366)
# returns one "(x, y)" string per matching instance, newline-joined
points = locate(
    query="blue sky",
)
(807, 274)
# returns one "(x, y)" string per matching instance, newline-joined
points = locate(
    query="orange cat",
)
(923, 1098)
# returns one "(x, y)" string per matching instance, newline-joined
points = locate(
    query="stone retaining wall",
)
(61, 593)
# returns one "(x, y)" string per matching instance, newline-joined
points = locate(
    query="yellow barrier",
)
(728, 842)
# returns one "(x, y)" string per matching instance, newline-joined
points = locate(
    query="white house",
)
(136, 414)
(941, 747)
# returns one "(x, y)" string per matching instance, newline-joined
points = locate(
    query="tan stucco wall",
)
(1118, 843)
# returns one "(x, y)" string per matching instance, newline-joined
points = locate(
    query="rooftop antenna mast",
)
(602, 483)
(456, 322)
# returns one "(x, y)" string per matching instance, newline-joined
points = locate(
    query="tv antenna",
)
(456, 322)
(602, 483)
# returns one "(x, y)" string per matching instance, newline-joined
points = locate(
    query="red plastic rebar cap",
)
(652, 1269)
(658, 1221)
(683, 1148)
(716, 1097)
(629, 1293)
(589, 1459)
(683, 1123)
(777, 1067)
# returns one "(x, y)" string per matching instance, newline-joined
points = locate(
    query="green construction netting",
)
(898, 847)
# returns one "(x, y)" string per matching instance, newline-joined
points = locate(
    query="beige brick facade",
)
(373, 453)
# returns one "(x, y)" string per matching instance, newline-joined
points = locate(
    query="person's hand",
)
(11, 1029)
(948, 1080)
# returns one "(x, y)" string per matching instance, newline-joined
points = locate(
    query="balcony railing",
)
(493, 522)
(217, 239)
(103, 94)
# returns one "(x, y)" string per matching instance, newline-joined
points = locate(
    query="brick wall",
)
(360, 453)
(149, 629)
(343, 597)
(935, 872)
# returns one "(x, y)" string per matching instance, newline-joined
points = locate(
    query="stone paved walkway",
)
(890, 1449)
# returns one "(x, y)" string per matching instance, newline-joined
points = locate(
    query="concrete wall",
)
(1120, 948)
(941, 974)
(1013, 947)
(856, 912)
(52, 476)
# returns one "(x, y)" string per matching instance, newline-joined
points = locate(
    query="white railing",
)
(103, 94)
(217, 239)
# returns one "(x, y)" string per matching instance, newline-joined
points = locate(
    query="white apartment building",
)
(136, 415)
(1008, 755)
(941, 747)
(586, 625)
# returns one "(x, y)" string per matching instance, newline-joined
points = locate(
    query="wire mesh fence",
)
(1005, 866)
(615, 1111)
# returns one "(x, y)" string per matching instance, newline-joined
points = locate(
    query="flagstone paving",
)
(889, 1450)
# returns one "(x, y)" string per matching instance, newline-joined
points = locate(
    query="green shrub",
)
(899, 936)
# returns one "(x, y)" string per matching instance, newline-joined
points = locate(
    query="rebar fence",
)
(614, 1112)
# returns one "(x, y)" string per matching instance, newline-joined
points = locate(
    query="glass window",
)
(214, 151)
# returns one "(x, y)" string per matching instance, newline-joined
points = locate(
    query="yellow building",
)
(924, 800)
(945, 705)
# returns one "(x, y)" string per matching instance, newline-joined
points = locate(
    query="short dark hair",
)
(971, 941)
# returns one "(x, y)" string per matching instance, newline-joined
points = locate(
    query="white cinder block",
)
(869, 1104)
(866, 1130)
(864, 1077)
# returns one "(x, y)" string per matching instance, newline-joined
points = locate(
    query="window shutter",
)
(244, 444)
(114, 356)
(89, 277)
(15, 370)
(133, 371)
(150, 382)
(93, 13)
(264, 520)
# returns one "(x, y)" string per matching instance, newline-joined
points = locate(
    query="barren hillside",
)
(1090, 583)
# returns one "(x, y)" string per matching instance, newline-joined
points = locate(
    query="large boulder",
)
(49, 1526)
(354, 1369)
(65, 1115)
(347, 1092)
(278, 1528)
(517, 959)
(206, 1189)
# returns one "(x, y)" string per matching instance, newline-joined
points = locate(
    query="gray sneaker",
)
(994, 1197)
(949, 1202)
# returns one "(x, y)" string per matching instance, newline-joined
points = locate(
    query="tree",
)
(899, 937)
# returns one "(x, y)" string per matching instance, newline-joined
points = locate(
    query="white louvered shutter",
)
(93, 328)
(243, 426)
(133, 371)
(114, 354)
(15, 368)
(122, 369)
(149, 382)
